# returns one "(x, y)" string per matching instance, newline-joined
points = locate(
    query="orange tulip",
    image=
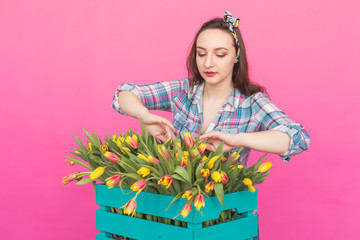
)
(130, 207)
(224, 178)
(202, 148)
(113, 180)
(69, 162)
(132, 141)
(187, 194)
(209, 187)
(186, 210)
(164, 153)
(138, 185)
(184, 161)
(151, 159)
(69, 178)
(199, 201)
(232, 155)
(112, 156)
(205, 173)
(166, 180)
(189, 141)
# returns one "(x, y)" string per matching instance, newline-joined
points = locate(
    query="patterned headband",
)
(233, 22)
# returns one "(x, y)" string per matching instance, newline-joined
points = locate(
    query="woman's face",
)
(216, 53)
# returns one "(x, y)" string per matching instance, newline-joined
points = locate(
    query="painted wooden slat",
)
(245, 227)
(139, 229)
(156, 204)
(98, 237)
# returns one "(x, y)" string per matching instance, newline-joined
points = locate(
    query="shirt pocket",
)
(181, 123)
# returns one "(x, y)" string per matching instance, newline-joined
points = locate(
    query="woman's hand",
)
(157, 126)
(214, 138)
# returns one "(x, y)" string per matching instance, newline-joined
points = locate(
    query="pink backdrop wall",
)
(61, 61)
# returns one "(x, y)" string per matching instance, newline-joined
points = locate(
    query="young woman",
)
(217, 100)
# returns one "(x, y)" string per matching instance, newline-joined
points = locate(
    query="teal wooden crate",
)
(244, 227)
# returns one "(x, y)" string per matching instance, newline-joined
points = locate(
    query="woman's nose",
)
(208, 61)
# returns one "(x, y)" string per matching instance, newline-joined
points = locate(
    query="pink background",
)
(61, 61)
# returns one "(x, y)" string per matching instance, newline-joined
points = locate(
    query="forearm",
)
(272, 141)
(131, 104)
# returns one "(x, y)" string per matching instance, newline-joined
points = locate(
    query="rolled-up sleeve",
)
(269, 117)
(154, 96)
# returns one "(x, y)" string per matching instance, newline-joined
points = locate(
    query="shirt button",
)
(184, 122)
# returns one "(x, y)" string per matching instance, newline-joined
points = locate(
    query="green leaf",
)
(77, 161)
(219, 191)
(229, 162)
(256, 166)
(133, 176)
(85, 181)
(198, 170)
(178, 177)
(219, 148)
(183, 173)
(80, 144)
(175, 199)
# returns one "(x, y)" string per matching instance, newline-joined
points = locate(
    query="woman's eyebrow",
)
(214, 48)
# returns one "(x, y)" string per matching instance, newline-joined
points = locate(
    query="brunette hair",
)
(240, 75)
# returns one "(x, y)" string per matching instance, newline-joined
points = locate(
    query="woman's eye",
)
(201, 55)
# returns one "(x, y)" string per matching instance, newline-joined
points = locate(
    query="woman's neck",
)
(216, 93)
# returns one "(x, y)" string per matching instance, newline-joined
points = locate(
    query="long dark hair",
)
(240, 76)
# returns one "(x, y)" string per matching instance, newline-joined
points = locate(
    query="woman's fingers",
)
(210, 135)
(169, 132)
(169, 124)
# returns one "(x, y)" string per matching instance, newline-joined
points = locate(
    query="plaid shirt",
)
(239, 114)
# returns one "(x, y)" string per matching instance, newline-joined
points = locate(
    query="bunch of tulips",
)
(182, 168)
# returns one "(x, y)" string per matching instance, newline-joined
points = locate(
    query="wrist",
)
(240, 140)
(142, 114)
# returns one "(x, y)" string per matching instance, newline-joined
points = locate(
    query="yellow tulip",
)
(264, 167)
(204, 158)
(251, 188)
(142, 156)
(216, 176)
(247, 181)
(211, 162)
(144, 171)
(97, 173)
(104, 147)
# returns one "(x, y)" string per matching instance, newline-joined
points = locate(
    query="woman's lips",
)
(210, 74)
